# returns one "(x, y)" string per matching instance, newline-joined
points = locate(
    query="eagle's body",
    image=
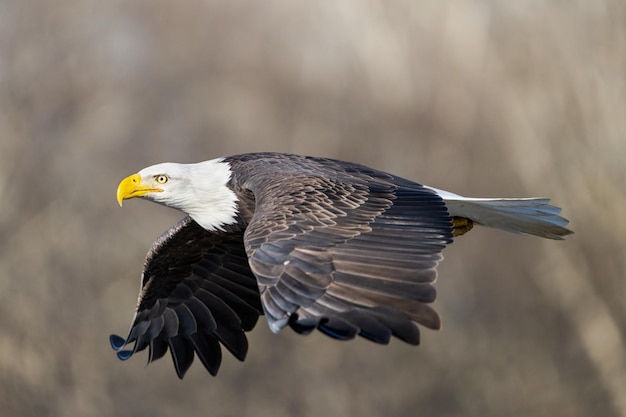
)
(312, 243)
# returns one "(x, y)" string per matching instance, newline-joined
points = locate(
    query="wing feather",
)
(197, 292)
(181, 350)
(349, 254)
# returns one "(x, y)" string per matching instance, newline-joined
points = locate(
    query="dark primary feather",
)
(197, 292)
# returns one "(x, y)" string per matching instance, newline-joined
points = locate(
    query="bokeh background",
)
(482, 98)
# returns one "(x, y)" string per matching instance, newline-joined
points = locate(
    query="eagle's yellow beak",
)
(132, 187)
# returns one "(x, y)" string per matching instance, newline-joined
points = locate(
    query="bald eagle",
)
(311, 243)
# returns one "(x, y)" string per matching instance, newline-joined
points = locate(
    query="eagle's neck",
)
(211, 202)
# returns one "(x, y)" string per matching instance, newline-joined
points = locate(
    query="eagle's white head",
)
(200, 190)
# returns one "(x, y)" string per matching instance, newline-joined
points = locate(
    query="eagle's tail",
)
(529, 216)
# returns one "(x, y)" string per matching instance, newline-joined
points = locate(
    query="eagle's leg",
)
(461, 225)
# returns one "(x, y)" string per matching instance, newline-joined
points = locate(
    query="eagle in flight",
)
(311, 243)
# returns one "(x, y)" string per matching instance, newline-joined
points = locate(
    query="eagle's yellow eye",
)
(161, 179)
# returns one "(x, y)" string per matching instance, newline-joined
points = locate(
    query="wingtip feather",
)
(125, 354)
(117, 342)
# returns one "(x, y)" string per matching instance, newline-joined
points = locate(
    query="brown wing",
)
(349, 255)
(197, 292)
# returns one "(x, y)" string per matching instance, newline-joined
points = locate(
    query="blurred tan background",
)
(482, 98)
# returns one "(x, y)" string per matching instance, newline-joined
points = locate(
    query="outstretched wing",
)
(197, 292)
(349, 255)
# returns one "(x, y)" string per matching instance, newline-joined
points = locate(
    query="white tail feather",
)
(529, 216)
